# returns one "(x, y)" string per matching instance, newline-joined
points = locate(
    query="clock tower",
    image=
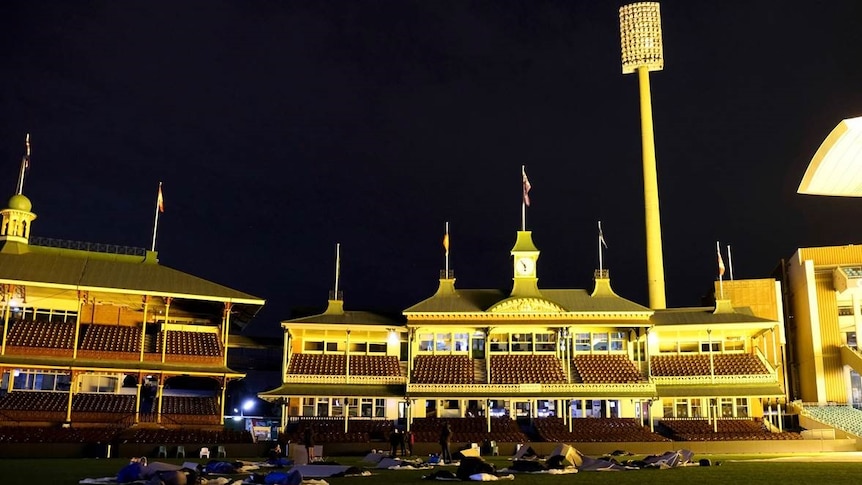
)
(524, 257)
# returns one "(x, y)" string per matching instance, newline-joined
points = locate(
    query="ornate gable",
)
(526, 305)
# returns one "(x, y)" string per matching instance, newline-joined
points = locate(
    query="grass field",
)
(732, 470)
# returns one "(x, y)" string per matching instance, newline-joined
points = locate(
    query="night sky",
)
(282, 128)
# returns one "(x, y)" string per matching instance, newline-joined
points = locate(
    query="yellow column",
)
(138, 401)
(165, 333)
(226, 329)
(285, 359)
(221, 404)
(159, 398)
(144, 326)
(82, 296)
(347, 356)
(655, 259)
(7, 295)
(72, 388)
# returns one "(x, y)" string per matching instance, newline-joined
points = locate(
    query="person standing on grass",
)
(308, 441)
(445, 439)
(410, 440)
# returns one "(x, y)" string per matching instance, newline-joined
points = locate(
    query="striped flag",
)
(602, 236)
(720, 264)
(527, 186)
(160, 200)
(26, 160)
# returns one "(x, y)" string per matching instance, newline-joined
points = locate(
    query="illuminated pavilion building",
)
(527, 365)
(98, 334)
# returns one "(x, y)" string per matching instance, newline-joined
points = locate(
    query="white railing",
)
(598, 389)
(735, 379)
(314, 379)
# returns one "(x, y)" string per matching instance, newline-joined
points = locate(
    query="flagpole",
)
(720, 270)
(600, 241)
(25, 161)
(337, 268)
(156, 221)
(446, 246)
(730, 261)
(525, 200)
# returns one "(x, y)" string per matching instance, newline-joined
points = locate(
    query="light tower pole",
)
(640, 37)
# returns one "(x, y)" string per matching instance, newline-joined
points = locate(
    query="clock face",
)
(524, 266)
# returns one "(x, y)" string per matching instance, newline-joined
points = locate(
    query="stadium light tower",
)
(640, 38)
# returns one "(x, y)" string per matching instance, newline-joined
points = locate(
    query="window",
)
(545, 342)
(582, 342)
(705, 346)
(741, 407)
(444, 342)
(426, 342)
(322, 406)
(726, 407)
(308, 406)
(735, 344)
(618, 341)
(499, 342)
(313, 346)
(352, 407)
(667, 408)
(696, 408)
(522, 342)
(681, 408)
(461, 342)
(600, 341)
(337, 408)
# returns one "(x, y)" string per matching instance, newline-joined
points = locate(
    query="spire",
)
(446, 274)
(16, 217)
(336, 305)
(25, 165)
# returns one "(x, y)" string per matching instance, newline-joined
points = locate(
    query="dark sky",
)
(282, 128)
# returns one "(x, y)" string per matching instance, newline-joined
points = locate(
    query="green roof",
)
(448, 299)
(336, 315)
(87, 270)
(316, 389)
(706, 316)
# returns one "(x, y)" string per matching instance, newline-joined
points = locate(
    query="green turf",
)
(70, 471)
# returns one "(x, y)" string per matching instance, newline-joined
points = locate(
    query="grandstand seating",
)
(34, 406)
(112, 338)
(190, 343)
(604, 368)
(374, 365)
(185, 435)
(526, 368)
(37, 434)
(318, 364)
(842, 417)
(594, 430)
(699, 365)
(190, 405)
(26, 333)
(443, 369)
(34, 400)
(331, 430)
(728, 430)
(468, 430)
(336, 365)
(103, 403)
